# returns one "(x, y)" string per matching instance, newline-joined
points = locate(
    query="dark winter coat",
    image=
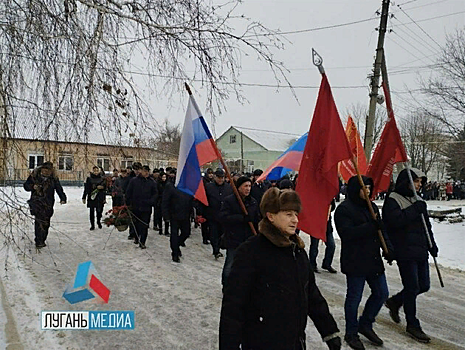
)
(121, 183)
(215, 196)
(236, 228)
(360, 244)
(176, 204)
(161, 189)
(91, 184)
(141, 194)
(43, 199)
(258, 190)
(269, 295)
(405, 226)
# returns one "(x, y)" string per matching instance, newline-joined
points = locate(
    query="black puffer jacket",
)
(176, 204)
(141, 194)
(404, 225)
(43, 198)
(215, 196)
(236, 229)
(360, 244)
(270, 293)
(91, 185)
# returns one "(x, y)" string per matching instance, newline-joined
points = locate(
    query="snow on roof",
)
(271, 140)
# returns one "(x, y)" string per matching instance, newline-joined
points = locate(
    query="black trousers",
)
(205, 231)
(141, 220)
(216, 230)
(99, 210)
(41, 226)
(175, 239)
(157, 218)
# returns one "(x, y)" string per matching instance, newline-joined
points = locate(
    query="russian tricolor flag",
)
(288, 161)
(197, 148)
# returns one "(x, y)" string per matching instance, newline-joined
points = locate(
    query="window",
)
(232, 138)
(35, 160)
(65, 162)
(104, 163)
(126, 162)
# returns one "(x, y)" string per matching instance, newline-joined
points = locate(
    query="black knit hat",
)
(243, 179)
(257, 172)
(275, 200)
(219, 172)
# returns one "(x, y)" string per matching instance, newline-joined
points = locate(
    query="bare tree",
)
(168, 139)
(446, 89)
(359, 113)
(424, 140)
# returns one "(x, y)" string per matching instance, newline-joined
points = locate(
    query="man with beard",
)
(141, 196)
(402, 213)
(94, 195)
(235, 224)
(42, 184)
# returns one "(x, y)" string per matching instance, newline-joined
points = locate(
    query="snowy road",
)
(177, 305)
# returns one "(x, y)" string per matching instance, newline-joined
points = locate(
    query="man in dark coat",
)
(177, 208)
(134, 171)
(207, 178)
(402, 216)
(42, 183)
(258, 188)
(330, 246)
(95, 194)
(361, 261)
(235, 224)
(141, 196)
(118, 196)
(216, 192)
(158, 220)
(271, 290)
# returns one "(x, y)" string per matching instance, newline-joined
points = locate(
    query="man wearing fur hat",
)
(271, 290)
(402, 216)
(235, 223)
(361, 261)
(42, 183)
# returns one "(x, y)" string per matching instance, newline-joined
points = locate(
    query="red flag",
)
(346, 167)
(318, 181)
(389, 150)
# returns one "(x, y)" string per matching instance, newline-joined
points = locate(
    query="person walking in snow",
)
(42, 183)
(271, 290)
(361, 261)
(158, 220)
(402, 213)
(94, 196)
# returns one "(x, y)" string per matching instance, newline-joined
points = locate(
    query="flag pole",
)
(225, 167)
(318, 61)
(407, 166)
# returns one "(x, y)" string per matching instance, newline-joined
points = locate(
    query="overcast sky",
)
(348, 54)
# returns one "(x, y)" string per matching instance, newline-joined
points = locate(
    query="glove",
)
(247, 218)
(390, 256)
(334, 344)
(83, 201)
(434, 251)
(420, 207)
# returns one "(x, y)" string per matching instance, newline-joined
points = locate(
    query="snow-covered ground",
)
(177, 306)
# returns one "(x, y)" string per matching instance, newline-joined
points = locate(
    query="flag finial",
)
(318, 61)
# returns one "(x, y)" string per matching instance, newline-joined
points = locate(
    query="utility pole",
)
(370, 121)
(242, 153)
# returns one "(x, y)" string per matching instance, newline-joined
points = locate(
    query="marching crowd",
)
(268, 279)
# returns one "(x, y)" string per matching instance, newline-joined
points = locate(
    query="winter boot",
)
(393, 310)
(370, 334)
(418, 334)
(160, 231)
(92, 227)
(99, 224)
(218, 255)
(329, 269)
(354, 341)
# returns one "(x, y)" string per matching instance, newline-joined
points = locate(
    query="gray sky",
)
(348, 54)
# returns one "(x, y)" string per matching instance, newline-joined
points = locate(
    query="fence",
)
(16, 177)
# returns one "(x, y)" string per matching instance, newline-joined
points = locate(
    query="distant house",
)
(73, 160)
(249, 149)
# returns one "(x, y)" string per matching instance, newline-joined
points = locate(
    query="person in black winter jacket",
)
(258, 188)
(158, 220)
(271, 290)
(133, 172)
(118, 196)
(42, 183)
(235, 224)
(361, 261)
(94, 195)
(177, 208)
(141, 196)
(216, 192)
(402, 216)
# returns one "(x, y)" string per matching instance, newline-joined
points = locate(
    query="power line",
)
(413, 46)
(426, 44)
(403, 48)
(429, 4)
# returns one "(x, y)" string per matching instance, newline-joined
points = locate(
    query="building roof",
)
(271, 140)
